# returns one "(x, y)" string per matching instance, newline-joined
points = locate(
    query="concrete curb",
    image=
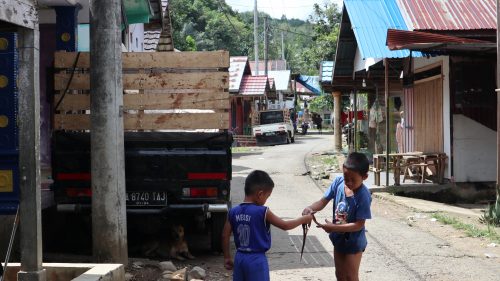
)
(425, 206)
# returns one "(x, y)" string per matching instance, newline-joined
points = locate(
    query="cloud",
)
(300, 9)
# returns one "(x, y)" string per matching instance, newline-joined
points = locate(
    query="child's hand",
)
(228, 263)
(327, 227)
(307, 211)
(306, 219)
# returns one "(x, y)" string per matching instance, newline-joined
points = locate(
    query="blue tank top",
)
(250, 229)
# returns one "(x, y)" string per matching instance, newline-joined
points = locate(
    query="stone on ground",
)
(197, 273)
(167, 265)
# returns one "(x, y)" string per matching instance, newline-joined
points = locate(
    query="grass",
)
(329, 160)
(240, 149)
(469, 229)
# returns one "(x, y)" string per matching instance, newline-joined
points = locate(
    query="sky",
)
(299, 9)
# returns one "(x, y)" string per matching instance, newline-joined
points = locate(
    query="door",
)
(428, 114)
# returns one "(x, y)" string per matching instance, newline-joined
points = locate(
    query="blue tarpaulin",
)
(310, 82)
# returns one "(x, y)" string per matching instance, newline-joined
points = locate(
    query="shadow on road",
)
(287, 256)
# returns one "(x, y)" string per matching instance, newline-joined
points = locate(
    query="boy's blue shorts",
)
(250, 267)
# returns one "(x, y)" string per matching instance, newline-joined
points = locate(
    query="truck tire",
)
(292, 138)
(216, 227)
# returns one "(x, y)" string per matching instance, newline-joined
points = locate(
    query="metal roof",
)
(254, 85)
(326, 71)
(449, 14)
(370, 20)
(237, 67)
(151, 39)
(398, 39)
(281, 79)
(436, 43)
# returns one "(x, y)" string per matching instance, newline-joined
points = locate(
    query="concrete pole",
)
(498, 102)
(30, 209)
(387, 139)
(336, 119)
(355, 125)
(109, 224)
(266, 47)
(256, 36)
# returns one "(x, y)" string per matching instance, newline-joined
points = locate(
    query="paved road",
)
(395, 250)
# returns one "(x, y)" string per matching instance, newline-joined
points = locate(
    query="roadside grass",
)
(469, 229)
(240, 149)
(329, 160)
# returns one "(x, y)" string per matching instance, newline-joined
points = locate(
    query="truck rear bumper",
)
(205, 208)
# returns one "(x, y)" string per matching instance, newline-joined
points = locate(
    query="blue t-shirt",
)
(250, 229)
(348, 209)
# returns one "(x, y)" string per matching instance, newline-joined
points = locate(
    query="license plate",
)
(147, 198)
(270, 134)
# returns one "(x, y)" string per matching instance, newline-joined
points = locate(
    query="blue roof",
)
(310, 82)
(370, 20)
(326, 71)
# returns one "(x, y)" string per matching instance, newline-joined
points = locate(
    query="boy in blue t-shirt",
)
(250, 222)
(351, 207)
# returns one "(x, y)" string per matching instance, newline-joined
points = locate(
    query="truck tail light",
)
(73, 176)
(78, 192)
(207, 176)
(204, 192)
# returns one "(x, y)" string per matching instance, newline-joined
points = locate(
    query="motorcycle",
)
(304, 126)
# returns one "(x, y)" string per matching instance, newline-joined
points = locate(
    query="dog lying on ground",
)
(174, 246)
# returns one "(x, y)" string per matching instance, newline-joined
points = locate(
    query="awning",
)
(310, 82)
(137, 11)
(430, 42)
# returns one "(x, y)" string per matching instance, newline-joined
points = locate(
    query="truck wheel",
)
(216, 227)
(292, 138)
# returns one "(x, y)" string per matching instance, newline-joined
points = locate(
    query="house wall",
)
(474, 151)
(136, 38)
(420, 63)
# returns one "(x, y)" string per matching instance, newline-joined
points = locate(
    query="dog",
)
(174, 246)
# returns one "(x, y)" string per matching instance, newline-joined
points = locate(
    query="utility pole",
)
(109, 221)
(282, 46)
(266, 46)
(387, 140)
(498, 103)
(256, 37)
(30, 209)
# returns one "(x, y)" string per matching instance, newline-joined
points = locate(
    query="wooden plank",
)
(169, 121)
(152, 101)
(180, 60)
(203, 80)
(19, 12)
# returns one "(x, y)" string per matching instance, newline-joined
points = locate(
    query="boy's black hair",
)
(256, 181)
(357, 162)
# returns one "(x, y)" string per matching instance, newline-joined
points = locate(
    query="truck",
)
(177, 146)
(273, 127)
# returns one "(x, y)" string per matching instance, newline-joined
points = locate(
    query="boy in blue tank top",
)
(250, 222)
(351, 207)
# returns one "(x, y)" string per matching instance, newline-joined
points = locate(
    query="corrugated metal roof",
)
(254, 85)
(370, 20)
(449, 14)
(281, 79)
(271, 65)
(237, 66)
(151, 39)
(398, 39)
(326, 71)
